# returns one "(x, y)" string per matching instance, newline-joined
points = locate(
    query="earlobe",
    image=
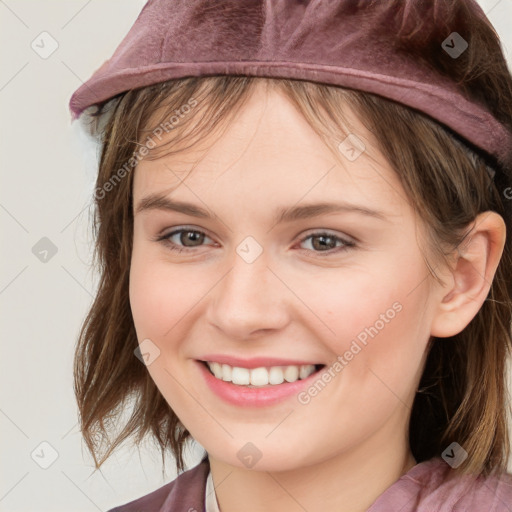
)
(475, 263)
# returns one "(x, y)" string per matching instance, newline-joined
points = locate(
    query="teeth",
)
(305, 372)
(216, 368)
(240, 376)
(226, 372)
(260, 376)
(275, 376)
(291, 374)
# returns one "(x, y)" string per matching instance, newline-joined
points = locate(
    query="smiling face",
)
(254, 281)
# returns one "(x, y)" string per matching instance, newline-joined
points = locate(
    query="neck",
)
(348, 482)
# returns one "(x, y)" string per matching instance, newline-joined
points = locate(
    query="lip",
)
(256, 362)
(242, 396)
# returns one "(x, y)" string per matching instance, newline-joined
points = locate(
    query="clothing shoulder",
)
(184, 494)
(474, 494)
(432, 486)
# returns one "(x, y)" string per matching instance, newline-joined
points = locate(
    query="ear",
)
(475, 263)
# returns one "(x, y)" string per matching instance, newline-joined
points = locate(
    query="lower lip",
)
(243, 396)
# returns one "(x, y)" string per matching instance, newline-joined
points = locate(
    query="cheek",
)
(153, 293)
(161, 296)
(377, 316)
(161, 292)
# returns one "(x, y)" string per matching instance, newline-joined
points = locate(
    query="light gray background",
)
(47, 172)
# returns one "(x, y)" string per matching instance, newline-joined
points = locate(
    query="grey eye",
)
(187, 237)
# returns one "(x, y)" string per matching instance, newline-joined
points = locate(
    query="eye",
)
(185, 239)
(188, 237)
(325, 242)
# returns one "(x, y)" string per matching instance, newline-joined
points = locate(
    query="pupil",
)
(321, 245)
(192, 236)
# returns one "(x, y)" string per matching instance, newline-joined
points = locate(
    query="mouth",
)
(263, 376)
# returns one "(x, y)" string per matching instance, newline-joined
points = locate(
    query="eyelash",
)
(347, 244)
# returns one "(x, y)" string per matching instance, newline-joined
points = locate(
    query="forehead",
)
(268, 152)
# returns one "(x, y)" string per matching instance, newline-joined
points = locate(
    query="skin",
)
(344, 448)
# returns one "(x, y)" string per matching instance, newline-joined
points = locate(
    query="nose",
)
(249, 300)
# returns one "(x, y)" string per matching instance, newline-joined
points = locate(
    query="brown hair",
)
(462, 394)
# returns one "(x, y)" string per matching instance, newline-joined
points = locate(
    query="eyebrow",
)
(283, 215)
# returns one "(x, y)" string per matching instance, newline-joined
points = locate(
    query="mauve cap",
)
(340, 42)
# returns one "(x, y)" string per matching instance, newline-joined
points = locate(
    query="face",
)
(244, 285)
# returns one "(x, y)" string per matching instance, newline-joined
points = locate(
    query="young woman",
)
(302, 212)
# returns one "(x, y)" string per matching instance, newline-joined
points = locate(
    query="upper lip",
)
(255, 362)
